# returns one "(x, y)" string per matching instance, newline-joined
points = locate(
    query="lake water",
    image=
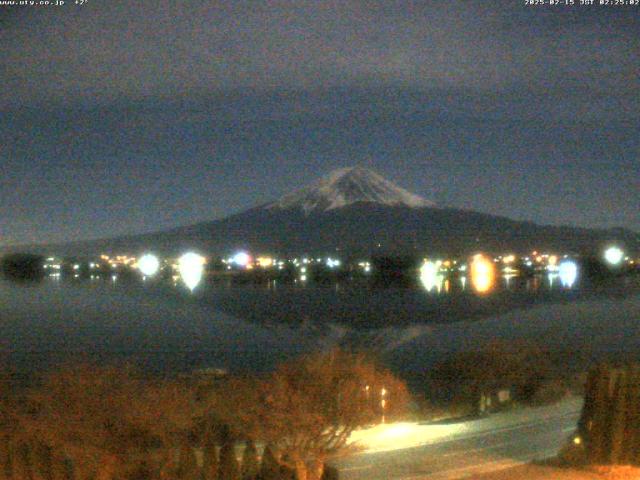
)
(250, 326)
(363, 305)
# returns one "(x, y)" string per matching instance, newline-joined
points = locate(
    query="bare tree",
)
(610, 420)
(308, 408)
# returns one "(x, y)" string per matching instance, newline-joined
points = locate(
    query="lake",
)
(253, 326)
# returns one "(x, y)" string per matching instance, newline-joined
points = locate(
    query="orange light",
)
(264, 261)
(483, 274)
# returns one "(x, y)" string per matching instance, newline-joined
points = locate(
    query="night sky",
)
(124, 117)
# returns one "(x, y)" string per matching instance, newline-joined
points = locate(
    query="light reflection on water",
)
(483, 274)
(508, 279)
(359, 303)
(430, 276)
(485, 278)
(191, 268)
(225, 323)
(568, 272)
(484, 283)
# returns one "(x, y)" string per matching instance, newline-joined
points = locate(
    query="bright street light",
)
(613, 255)
(430, 275)
(241, 259)
(149, 265)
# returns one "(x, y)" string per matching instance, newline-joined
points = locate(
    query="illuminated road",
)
(414, 451)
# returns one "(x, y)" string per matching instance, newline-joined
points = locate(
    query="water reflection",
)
(507, 279)
(533, 284)
(486, 276)
(568, 272)
(191, 268)
(483, 273)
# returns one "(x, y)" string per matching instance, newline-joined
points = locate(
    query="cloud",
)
(102, 53)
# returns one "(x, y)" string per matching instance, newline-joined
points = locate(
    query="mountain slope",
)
(356, 211)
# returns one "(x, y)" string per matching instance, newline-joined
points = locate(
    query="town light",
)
(191, 267)
(149, 265)
(383, 402)
(509, 259)
(241, 258)
(265, 261)
(332, 262)
(613, 255)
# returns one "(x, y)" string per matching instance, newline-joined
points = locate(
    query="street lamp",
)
(241, 259)
(149, 265)
(383, 401)
(613, 255)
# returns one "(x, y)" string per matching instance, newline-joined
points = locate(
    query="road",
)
(459, 450)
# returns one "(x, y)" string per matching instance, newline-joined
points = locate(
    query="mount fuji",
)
(356, 211)
(348, 186)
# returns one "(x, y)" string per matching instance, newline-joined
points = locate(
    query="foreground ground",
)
(501, 444)
(539, 472)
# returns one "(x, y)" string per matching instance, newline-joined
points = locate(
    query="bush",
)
(23, 266)
(523, 368)
(572, 455)
(549, 392)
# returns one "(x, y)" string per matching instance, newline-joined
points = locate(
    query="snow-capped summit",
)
(347, 186)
